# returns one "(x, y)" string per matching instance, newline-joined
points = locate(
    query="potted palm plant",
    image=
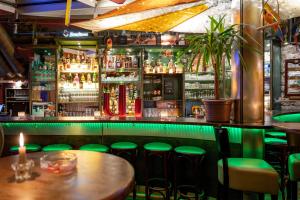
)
(216, 46)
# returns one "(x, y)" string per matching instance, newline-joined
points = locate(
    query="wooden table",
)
(289, 127)
(98, 176)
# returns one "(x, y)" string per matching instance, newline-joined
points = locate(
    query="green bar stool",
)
(154, 181)
(95, 147)
(187, 164)
(29, 148)
(277, 154)
(276, 134)
(57, 147)
(294, 173)
(243, 174)
(128, 151)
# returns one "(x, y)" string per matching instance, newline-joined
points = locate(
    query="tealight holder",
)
(23, 171)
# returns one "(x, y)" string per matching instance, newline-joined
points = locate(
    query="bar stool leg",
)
(175, 178)
(146, 176)
(293, 185)
(274, 197)
(166, 155)
(261, 196)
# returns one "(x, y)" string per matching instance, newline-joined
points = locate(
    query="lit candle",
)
(22, 149)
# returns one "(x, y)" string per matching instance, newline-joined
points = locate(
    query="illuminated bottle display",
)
(78, 87)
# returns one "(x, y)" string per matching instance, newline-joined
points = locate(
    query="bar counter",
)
(246, 139)
(104, 126)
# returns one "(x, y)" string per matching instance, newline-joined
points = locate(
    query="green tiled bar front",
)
(290, 117)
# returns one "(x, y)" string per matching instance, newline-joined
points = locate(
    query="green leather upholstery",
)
(29, 147)
(249, 174)
(275, 141)
(1, 140)
(94, 147)
(123, 145)
(277, 134)
(157, 146)
(190, 150)
(57, 147)
(294, 167)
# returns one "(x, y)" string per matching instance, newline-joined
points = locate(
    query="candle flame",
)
(21, 140)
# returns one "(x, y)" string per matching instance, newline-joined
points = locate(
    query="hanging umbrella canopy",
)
(134, 12)
(200, 22)
(164, 22)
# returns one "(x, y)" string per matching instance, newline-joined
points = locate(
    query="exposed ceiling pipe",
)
(5, 70)
(6, 41)
(15, 66)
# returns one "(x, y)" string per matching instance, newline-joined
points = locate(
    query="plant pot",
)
(217, 110)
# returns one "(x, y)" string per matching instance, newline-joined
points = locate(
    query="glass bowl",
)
(62, 163)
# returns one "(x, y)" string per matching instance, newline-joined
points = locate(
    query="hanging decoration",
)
(68, 12)
(142, 5)
(120, 20)
(118, 1)
(165, 22)
(272, 20)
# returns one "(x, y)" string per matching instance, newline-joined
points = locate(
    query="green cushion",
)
(274, 141)
(189, 150)
(124, 145)
(94, 147)
(294, 166)
(29, 147)
(276, 134)
(157, 146)
(57, 147)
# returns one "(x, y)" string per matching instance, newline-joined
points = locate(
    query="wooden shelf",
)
(119, 82)
(199, 89)
(74, 102)
(126, 70)
(199, 80)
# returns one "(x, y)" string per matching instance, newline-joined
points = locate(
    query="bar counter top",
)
(168, 120)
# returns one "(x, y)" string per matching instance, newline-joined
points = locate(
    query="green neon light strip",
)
(203, 132)
(294, 117)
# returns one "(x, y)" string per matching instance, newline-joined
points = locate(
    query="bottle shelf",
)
(78, 72)
(121, 70)
(199, 80)
(199, 89)
(77, 102)
(119, 82)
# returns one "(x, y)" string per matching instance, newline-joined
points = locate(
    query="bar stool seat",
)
(275, 141)
(157, 146)
(190, 150)
(29, 148)
(123, 145)
(276, 134)
(94, 147)
(57, 147)
(261, 177)
(294, 166)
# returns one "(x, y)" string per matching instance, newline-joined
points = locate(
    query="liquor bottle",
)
(95, 68)
(89, 78)
(82, 79)
(77, 58)
(118, 62)
(68, 62)
(94, 79)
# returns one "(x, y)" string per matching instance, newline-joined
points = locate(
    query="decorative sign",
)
(118, 1)
(66, 33)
